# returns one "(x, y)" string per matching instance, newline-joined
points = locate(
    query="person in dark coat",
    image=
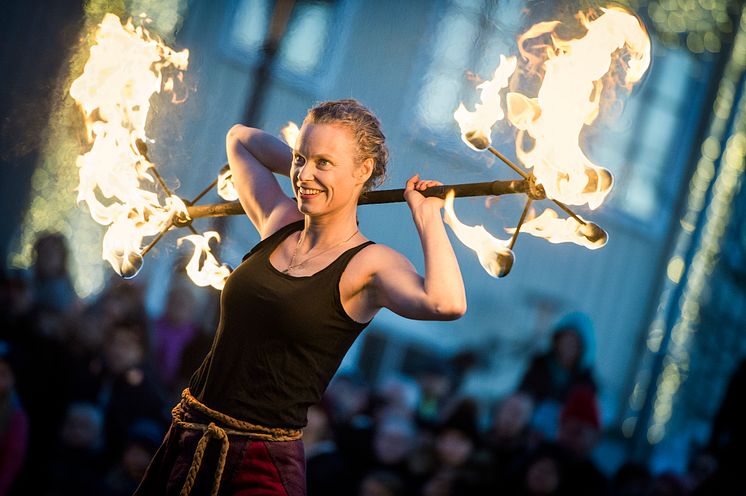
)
(579, 431)
(567, 364)
(121, 384)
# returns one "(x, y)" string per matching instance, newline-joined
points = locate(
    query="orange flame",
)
(123, 72)
(549, 125)
(226, 189)
(476, 126)
(549, 226)
(493, 253)
(203, 268)
(290, 133)
(569, 99)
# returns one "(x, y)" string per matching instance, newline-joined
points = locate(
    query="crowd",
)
(86, 392)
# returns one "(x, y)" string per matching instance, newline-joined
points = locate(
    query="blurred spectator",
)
(173, 332)
(123, 301)
(120, 383)
(398, 395)
(456, 442)
(458, 435)
(461, 364)
(542, 472)
(579, 431)
(381, 483)
(552, 375)
(53, 290)
(76, 465)
(16, 302)
(509, 436)
(394, 440)
(14, 424)
(327, 473)
(728, 437)
(348, 396)
(435, 383)
(127, 391)
(143, 439)
(43, 385)
(670, 484)
(701, 468)
(86, 337)
(631, 479)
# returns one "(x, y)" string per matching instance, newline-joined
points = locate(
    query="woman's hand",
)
(415, 200)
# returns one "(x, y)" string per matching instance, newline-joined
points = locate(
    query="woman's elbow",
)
(240, 133)
(450, 310)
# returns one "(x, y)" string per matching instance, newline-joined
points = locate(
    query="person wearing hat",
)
(552, 375)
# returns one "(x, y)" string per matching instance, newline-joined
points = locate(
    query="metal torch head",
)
(599, 179)
(497, 263)
(594, 234)
(131, 266)
(505, 263)
(477, 139)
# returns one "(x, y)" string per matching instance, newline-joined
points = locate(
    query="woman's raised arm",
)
(440, 295)
(254, 156)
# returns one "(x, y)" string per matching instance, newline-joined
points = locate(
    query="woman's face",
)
(324, 174)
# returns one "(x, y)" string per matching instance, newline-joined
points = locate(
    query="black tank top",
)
(279, 341)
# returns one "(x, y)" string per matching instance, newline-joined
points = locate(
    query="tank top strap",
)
(274, 239)
(340, 264)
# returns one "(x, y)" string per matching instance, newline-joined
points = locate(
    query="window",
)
(470, 36)
(304, 46)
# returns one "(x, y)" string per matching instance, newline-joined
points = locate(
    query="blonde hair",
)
(371, 142)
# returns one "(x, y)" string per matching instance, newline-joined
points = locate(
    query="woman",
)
(295, 305)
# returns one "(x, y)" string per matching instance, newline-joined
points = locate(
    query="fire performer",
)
(292, 309)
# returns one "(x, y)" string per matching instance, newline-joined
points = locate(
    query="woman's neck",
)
(320, 231)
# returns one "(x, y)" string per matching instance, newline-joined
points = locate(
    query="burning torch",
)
(114, 97)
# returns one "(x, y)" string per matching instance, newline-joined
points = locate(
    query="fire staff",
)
(297, 302)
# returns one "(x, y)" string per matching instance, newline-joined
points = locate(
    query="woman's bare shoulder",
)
(377, 256)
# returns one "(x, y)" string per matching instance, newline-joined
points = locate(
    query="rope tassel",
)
(214, 431)
(211, 432)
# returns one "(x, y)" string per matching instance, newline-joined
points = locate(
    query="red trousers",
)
(252, 468)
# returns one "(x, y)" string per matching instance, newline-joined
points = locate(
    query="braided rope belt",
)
(214, 431)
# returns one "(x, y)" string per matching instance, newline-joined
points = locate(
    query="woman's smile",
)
(306, 192)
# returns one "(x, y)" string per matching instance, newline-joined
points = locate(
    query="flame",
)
(124, 70)
(493, 253)
(226, 188)
(549, 226)
(569, 99)
(572, 73)
(203, 268)
(476, 126)
(290, 133)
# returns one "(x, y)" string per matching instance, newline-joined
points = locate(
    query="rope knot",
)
(215, 431)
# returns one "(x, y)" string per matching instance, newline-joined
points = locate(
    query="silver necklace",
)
(300, 242)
